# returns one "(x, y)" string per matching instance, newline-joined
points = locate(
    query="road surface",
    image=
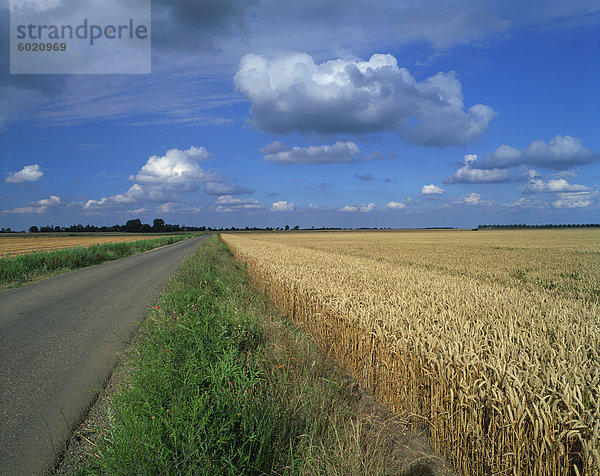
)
(59, 340)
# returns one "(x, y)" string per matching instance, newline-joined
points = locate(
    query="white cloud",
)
(174, 207)
(470, 173)
(431, 190)
(292, 93)
(282, 206)
(562, 152)
(37, 208)
(395, 205)
(553, 186)
(322, 154)
(472, 198)
(273, 148)
(367, 208)
(175, 167)
(348, 209)
(573, 200)
(467, 174)
(29, 173)
(228, 203)
(525, 202)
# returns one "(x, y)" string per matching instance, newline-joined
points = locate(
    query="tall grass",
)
(30, 267)
(218, 384)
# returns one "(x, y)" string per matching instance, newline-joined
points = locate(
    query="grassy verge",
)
(22, 269)
(218, 383)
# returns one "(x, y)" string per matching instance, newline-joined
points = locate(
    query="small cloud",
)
(221, 188)
(348, 209)
(387, 180)
(282, 206)
(315, 154)
(375, 155)
(574, 200)
(364, 177)
(525, 202)
(395, 205)
(431, 190)
(472, 198)
(561, 152)
(552, 186)
(228, 203)
(468, 174)
(274, 148)
(367, 208)
(470, 158)
(29, 173)
(37, 208)
(174, 207)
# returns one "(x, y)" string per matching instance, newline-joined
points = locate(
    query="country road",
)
(59, 340)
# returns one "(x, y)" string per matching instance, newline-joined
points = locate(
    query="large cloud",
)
(29, 173)
(315, 154)
(292, 93)
(574, 200)
(165, 177)
(561, 152)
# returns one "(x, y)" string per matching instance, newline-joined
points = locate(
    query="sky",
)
(374, 113)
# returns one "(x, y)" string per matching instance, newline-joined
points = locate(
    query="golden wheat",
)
(490, 339)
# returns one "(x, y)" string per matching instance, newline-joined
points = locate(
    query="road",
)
(60, 339)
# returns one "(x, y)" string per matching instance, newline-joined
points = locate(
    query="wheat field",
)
(23, 244)
(489, 339)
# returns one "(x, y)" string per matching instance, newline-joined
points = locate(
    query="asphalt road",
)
(59, 340)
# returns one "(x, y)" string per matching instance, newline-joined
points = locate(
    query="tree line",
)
(522, 226)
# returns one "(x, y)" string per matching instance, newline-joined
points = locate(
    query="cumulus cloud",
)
(574, 200)
(175, 167)
(552, 186)
(163, 178)
(29, 173)
(282, 206)
(362, 208)
(470, 173)
(39, 207)
(293, 93)
(561, 152)
(229, 203)
(321, 154)
(467, 174)
(367, 208)
(431, 190)
(395, 205)
(472, 198)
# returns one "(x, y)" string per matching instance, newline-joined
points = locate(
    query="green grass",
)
(217, 383)
(22, 269)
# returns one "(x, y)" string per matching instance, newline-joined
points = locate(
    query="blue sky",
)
(317, 113)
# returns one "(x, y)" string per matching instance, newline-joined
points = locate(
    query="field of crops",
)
(491, 339)
(15, 245)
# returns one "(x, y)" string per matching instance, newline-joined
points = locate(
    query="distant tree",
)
(158, 225)
(33, 229)
(287, 227)
(146, 228)
(133, 226)
(296, 227)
